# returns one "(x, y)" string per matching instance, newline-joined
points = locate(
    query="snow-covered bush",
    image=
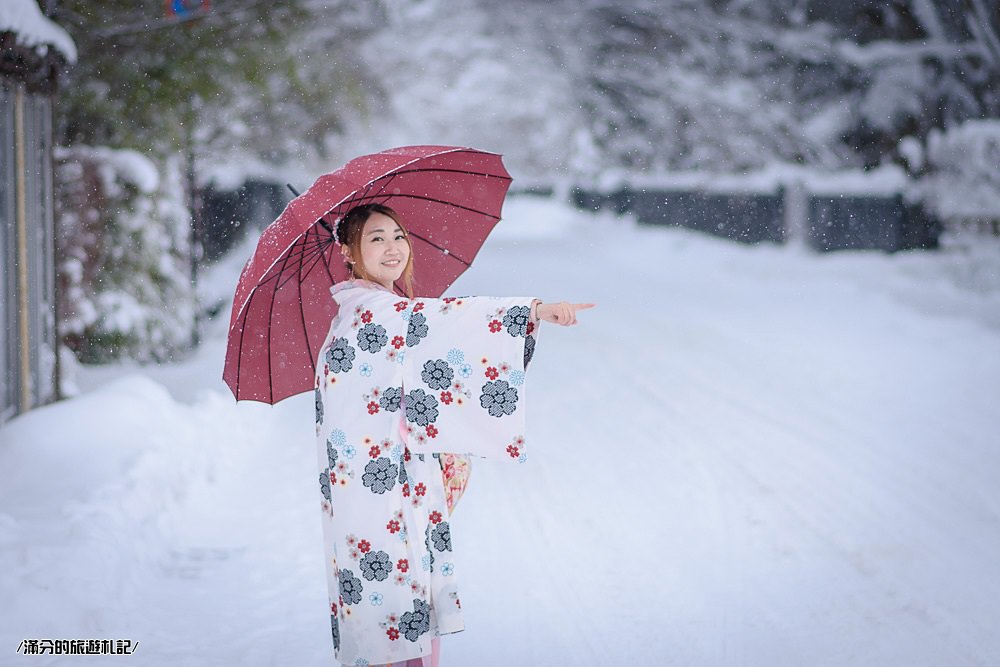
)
(122, 255)
(963, 180)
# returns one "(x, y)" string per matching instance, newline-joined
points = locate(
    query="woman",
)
(401, 382)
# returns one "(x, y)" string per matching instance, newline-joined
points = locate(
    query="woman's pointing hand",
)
(560, 313)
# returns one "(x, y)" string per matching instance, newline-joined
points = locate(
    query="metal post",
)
(53, 248)
(796, 205)
(24, 349)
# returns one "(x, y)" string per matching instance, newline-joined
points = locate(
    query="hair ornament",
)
(334, 227)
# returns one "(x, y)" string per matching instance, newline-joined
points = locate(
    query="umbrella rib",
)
(326, 262)
(239, 352)
(275, 277)
(301, 248)
(314, 258)
(435, 201)
(351, 199)
(304, 245)
(302, 313)
(302, 257)
(443, 250)
(449, 171)
(270, 314)
(318, 255)
(386, 180)
(448, 203)
(422, 238)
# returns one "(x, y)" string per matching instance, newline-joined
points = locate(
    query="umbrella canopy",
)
(448, 198)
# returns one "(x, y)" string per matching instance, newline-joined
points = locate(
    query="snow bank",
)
(34, 29)
(93, 488)
(92, 509)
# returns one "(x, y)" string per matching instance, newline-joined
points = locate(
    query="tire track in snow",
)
(767, 413)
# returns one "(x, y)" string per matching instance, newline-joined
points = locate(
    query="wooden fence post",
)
(23, 347)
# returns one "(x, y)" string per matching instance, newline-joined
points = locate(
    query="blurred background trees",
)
(565, 89)
(154, 97)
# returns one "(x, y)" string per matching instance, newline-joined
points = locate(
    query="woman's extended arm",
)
(558, 313)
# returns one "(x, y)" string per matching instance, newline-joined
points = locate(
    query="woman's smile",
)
(385, 250)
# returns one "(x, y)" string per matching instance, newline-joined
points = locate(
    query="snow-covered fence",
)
(826, 211)
(869, 222)
(744, 217)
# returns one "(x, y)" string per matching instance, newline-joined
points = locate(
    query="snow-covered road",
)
(742, 456)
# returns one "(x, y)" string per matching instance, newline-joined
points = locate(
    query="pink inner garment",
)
(432, 660)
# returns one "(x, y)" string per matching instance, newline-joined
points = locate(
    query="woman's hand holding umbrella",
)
(558, 313)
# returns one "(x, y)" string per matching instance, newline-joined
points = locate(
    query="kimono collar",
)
(357, 283)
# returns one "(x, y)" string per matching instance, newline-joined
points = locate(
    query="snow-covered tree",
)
(123, 261)
(255, 75)
(581, 86)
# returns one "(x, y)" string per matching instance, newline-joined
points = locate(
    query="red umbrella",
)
(449, 200)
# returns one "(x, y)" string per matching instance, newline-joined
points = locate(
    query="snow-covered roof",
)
(33, 29)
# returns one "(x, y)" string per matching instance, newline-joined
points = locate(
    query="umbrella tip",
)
(294, 191)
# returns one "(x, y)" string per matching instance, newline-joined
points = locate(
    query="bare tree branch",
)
(984, 29)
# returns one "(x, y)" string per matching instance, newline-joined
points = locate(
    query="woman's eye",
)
(376, 238)
(400, 237)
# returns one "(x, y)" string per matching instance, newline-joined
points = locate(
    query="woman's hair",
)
(349, 235)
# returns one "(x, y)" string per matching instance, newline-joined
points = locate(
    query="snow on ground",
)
(743, 456)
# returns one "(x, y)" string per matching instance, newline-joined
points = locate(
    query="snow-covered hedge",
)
(963, 162)
(122, 255)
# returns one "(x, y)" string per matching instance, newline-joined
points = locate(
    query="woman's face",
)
(384, 249)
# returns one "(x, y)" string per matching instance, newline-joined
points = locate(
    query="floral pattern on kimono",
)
(400, 384)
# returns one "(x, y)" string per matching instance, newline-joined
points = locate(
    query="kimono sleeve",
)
(464, 376)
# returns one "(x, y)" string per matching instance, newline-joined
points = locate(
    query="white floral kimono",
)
(400, 381)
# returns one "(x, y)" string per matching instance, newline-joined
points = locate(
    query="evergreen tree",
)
(252, 74)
